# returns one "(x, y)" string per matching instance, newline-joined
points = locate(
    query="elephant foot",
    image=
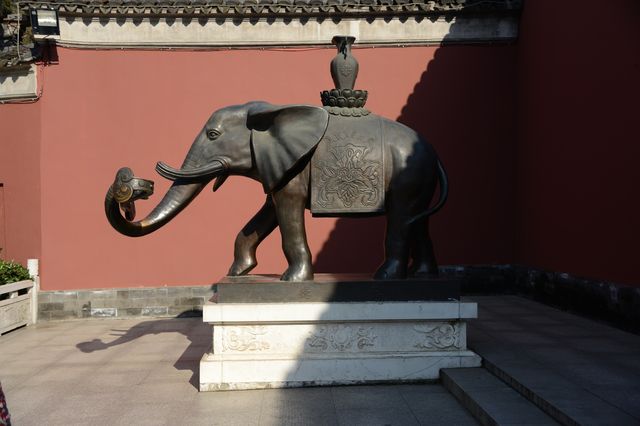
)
(298, 273)
(241, 267)
(391, 269)
(423, 270)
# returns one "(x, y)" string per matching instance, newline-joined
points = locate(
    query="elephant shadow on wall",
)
(469, 118)
(353, 246)
(357, 245)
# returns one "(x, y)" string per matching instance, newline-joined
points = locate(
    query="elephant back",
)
(347, 170)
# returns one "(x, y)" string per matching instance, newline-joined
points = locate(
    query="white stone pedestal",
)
(269, 345)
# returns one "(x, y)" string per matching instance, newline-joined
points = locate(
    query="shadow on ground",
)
(198, 333)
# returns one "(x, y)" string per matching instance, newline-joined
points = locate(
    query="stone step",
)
(578, 371)
(490, 400)
(568, 403)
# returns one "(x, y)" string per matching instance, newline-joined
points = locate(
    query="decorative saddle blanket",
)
(347, 169)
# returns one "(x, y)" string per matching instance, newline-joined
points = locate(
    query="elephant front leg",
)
(290, 204)
(248, 239)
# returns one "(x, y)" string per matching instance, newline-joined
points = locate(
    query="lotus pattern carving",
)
(351, 177)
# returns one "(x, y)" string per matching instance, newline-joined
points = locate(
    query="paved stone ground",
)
(584, 370)
(144, 372)
(138, 372)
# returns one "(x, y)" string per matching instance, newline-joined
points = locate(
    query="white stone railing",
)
(19, 309)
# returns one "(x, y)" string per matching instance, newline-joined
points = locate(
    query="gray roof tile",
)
(227, 7)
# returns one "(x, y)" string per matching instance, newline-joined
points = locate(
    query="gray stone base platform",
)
(333, 331)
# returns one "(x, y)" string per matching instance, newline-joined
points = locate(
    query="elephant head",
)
(259, 140)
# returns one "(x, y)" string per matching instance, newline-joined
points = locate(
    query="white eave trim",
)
(164, 32)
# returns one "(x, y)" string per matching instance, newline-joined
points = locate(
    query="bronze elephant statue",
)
(338, 161)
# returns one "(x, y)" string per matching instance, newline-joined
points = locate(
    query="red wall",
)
(20, 178)
(579, 143)
(102, 110)
(539, 140)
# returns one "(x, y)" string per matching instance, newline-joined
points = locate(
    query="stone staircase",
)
(542, 366)
(490, 400)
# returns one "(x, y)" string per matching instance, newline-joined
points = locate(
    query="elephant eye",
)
(213, 134)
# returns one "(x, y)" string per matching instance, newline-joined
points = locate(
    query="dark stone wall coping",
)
(123, 302)
(614, 303)
(617, 304)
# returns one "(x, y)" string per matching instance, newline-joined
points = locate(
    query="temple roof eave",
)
(267, 8)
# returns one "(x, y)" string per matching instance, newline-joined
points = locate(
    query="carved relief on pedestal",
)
(340, 338)
(438, 336)
(244, 338)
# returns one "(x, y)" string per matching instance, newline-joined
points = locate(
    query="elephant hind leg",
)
(248, 239)
(407, 196)
(423, 260)
(396, 243)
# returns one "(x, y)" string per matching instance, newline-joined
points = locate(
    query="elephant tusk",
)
(219, 181)
(198, 173)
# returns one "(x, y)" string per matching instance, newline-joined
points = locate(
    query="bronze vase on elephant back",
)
(344, 67)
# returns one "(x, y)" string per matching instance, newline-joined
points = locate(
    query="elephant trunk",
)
(174, 201)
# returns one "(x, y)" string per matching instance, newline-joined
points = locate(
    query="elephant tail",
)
(444, 193)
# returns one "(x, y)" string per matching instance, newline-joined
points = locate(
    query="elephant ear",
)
(282, 136)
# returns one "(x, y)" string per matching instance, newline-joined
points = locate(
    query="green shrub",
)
(11, 272)
(6, 8)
